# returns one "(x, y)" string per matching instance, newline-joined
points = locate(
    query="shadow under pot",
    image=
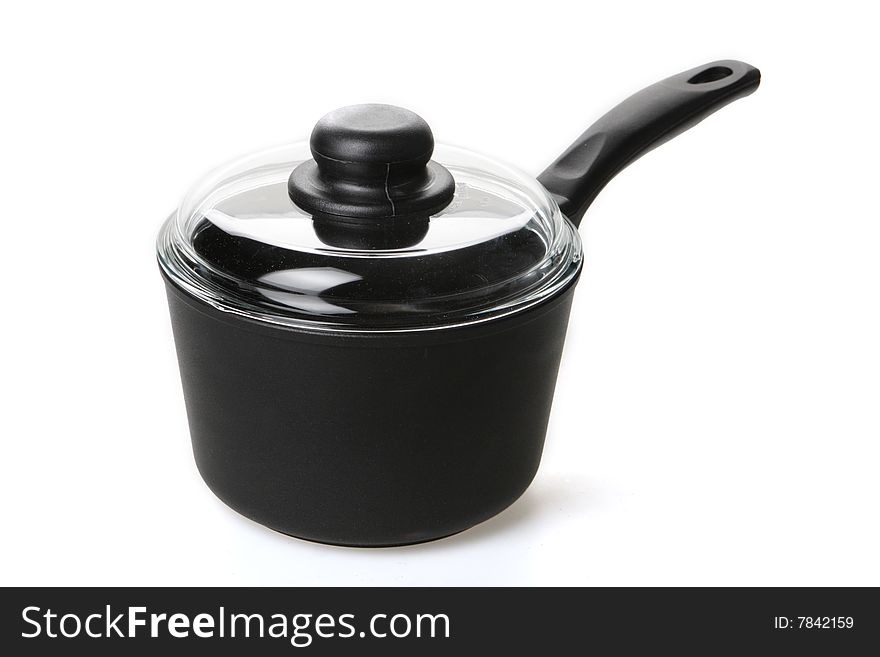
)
(369, 338)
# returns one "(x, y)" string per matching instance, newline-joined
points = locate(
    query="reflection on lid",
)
(285, 230)
(312, 280)
(315, 305)
(298, 288)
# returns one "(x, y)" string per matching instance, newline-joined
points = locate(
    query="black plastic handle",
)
(640, 123)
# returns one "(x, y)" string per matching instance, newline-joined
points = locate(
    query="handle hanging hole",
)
(711, 75)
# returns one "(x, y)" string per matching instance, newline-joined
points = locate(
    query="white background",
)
(717, 418)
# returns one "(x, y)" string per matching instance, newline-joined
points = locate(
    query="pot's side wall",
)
(357, 445)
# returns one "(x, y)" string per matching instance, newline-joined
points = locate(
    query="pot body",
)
(368, 439)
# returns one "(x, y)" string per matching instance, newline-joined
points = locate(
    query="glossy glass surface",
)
(239, 243)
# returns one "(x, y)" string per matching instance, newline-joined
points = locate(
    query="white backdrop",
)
(718, 410)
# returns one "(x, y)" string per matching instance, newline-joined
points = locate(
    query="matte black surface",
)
(640, 123)
(371, 439)
(371, 166)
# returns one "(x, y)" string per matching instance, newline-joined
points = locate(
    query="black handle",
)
(643, 121)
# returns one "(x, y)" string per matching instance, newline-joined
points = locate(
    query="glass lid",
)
(387, 243)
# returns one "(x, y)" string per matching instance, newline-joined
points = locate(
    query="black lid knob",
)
(371, 162)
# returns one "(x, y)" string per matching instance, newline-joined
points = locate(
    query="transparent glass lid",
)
(239, 243)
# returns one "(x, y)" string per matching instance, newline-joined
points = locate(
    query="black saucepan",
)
(369, 338)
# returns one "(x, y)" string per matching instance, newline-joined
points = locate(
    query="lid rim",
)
(445, 332)
(277, 322)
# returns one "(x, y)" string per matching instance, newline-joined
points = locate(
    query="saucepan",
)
(369, 325)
